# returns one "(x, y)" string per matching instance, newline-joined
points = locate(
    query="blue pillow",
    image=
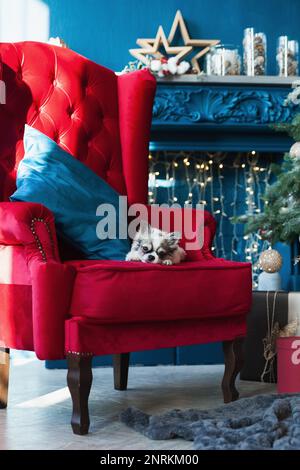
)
(50, 176)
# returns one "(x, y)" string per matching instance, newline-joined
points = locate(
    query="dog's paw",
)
(132, 257)
(167, 262)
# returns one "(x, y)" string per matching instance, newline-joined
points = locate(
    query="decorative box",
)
(268, 308)
(288, 364)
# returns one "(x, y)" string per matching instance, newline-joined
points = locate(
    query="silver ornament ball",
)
(295, 150)
(270, 261)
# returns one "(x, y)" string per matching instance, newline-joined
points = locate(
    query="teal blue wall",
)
(104, 30)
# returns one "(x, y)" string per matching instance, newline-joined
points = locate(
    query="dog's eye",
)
(145, 249)
(161, 254)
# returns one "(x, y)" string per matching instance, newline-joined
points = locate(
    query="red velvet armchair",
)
(78, 308)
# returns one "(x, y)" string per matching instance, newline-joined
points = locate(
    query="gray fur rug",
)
(263, 422)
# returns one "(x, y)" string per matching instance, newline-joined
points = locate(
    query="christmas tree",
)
(280, 219)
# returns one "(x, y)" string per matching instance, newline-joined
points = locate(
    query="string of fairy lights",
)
(226, 184)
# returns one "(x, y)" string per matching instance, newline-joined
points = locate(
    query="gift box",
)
(271, 311)
(288, 364)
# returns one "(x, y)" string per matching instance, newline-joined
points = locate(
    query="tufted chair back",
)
(77, 103)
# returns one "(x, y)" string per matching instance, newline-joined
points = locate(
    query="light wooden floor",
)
(39, 405)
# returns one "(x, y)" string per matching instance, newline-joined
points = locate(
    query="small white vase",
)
(269, 281)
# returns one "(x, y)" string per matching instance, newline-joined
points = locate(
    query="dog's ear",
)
(173, 239)
(144, 228)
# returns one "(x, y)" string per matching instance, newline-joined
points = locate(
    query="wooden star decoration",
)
(151, 47)
(205, 43)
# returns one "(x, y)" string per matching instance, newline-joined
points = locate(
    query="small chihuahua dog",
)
(151, 245)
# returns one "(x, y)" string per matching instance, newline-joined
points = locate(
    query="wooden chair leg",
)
(121, 365)
(79, 380)
(233, 357)
(4, 376)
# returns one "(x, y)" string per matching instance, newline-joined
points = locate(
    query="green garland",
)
(291, 128)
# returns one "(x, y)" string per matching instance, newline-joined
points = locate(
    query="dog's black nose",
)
(151, 258)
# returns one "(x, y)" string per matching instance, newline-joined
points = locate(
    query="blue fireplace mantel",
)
(221, 113)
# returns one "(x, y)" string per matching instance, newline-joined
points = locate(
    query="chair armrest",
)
(136, 92)
(31, 225)
(210, 226)
(52, 288)
(193, 224)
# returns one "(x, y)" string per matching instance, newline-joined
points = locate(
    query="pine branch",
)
(280, 219)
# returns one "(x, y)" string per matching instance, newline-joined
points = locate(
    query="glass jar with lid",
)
(254, 53)
(287, 57)
(223, 59)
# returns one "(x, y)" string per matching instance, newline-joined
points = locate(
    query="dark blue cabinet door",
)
(147, 358)
(200, 354)
(191, 355)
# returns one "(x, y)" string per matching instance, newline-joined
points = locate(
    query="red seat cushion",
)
(123, 292)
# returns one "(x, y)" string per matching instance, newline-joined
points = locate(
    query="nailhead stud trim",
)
(37, 239)
(80, 353)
